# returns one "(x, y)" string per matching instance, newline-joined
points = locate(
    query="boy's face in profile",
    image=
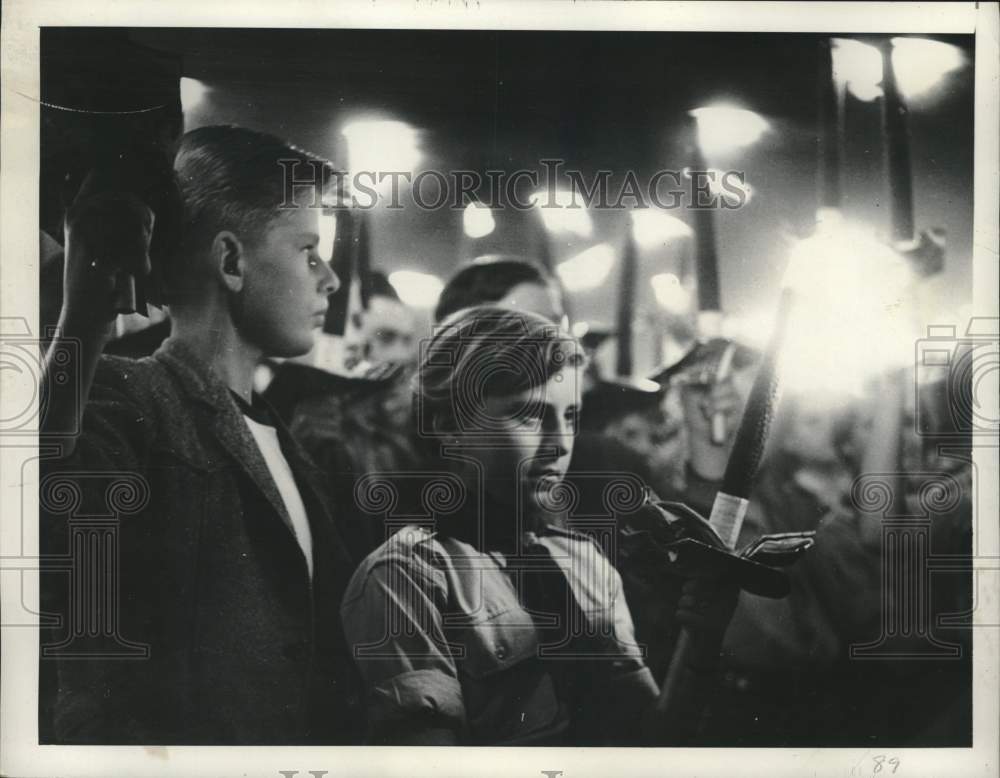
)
(287, 285)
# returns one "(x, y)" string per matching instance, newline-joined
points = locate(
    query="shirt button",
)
(501, 651)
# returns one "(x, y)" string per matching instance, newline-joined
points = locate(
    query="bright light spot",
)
(382, 145)
(654, 228)
(670, 293)
(580, 328)
(918, 63)
(753, 329)
(421, 290)
(563, 213)
(858, 66)
(477, 220)
(193, 92)
(852, 319)
(921, 64)
(327, 235)
(723, 128)
(588, 269)
(725, 185)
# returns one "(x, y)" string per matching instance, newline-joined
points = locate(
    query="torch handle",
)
(896, 142)
(727, 518)
(125, 300)
(751, 437)
(670, 689)
(731, 501)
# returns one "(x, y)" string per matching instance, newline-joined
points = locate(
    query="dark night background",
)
(616, 101)
(599, 100)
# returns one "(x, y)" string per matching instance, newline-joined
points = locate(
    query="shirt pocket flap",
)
(500, 642)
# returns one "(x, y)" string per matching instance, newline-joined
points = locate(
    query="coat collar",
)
(197, 379)
(199, 382)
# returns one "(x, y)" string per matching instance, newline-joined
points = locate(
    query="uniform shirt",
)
(439, 630)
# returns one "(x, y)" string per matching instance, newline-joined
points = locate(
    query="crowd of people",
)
(438, 545)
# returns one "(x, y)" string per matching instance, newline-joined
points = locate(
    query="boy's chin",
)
(292, 349)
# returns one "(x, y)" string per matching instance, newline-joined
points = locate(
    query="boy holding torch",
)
(216, 622)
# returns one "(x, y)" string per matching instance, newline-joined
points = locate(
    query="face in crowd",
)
(529, 452)
(286, 285)
(389, 332)
(505, 390)
(245, 251)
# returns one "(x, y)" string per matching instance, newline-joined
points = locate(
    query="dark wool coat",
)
(181, 607)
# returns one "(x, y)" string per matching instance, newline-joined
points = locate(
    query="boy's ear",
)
(230, 261)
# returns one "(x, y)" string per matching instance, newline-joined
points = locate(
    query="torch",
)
(111, 117)
(714, 130)
(626, 305)
(896, 141)
(831, 128)
(731, 502)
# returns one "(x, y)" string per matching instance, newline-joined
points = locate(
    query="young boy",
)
(229, 568)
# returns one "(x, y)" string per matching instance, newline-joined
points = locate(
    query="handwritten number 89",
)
(881, 761)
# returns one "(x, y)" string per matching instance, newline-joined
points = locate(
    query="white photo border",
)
(19, 753)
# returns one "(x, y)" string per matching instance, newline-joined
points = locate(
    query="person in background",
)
(498, 624)
(627, 410)
(766, 670)
(357, 422)
(502, 279)
(382, 333)
(388, 327)
(786, 676)
(709, 409)
(227, 574)
(631, 412)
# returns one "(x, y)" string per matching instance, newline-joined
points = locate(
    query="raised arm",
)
(107, 234)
